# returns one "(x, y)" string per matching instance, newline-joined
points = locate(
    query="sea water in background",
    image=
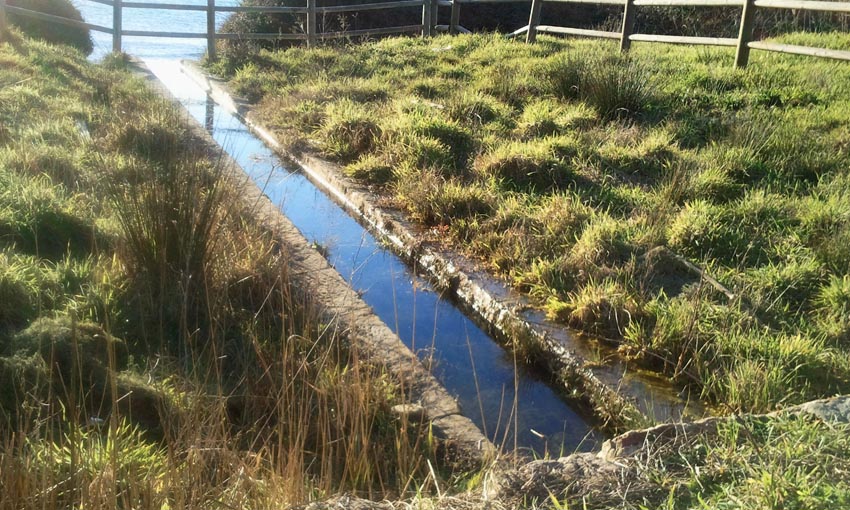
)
(470, 364)
(158, 20)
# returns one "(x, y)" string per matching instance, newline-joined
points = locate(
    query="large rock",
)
(836, 409)
(667, 435)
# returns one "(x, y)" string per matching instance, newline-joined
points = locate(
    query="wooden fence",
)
(743, 43)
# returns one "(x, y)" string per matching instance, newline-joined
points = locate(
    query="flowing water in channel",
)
(470, 364)
(432, 326)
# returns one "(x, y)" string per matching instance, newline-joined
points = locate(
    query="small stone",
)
(412, 412)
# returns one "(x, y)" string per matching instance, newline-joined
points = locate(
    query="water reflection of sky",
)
(154, 20)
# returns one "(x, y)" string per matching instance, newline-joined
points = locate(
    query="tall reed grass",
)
(176, 364)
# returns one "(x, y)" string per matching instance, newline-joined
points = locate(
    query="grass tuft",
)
(434, 200)
(347, 131)
(536, 164)
(618, 87)
(832, 303)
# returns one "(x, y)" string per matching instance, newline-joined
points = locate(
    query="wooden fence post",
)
(211, 56)
(117, 18)
(742, 55)
(534, 20)
(628, 25)
(426, 18)
(2, 19)
(455, 18)
(311, 23)
(435, 14)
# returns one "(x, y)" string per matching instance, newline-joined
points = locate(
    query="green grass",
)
(154, 352)
(565, 167)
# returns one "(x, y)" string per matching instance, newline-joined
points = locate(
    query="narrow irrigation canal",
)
(512, 405)
(509, 403)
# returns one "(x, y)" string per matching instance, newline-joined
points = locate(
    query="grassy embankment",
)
(752, 463)
(580, 175)
(153, 353)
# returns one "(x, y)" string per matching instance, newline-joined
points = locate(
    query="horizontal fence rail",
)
(681, 39)
(260, 36)
(261, 10)
(688, 3)
(800, 50)
(370, 7)
(618, 3)
(804, 6)
(581, 32)
(743, 43)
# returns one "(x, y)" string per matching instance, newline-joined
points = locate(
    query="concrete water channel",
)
(510, 403)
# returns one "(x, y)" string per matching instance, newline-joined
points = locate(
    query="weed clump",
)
(540, 119)
(617, 87)
(605, 309)
(154, 138)
(454, 143)
(42, 220)
(549, 118)
(825, 223)
(749, 231)
(434, 200)
(564, 74)
(348, 130)
(832, 306)
(784, 289)
(512, 82)
(603, 244)
(70, 345)
(478, 109)
(538, 164)
(714, 183)
(20, 377)
(61, 167)
(648, 156)
(19, 293)
(371, 169)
